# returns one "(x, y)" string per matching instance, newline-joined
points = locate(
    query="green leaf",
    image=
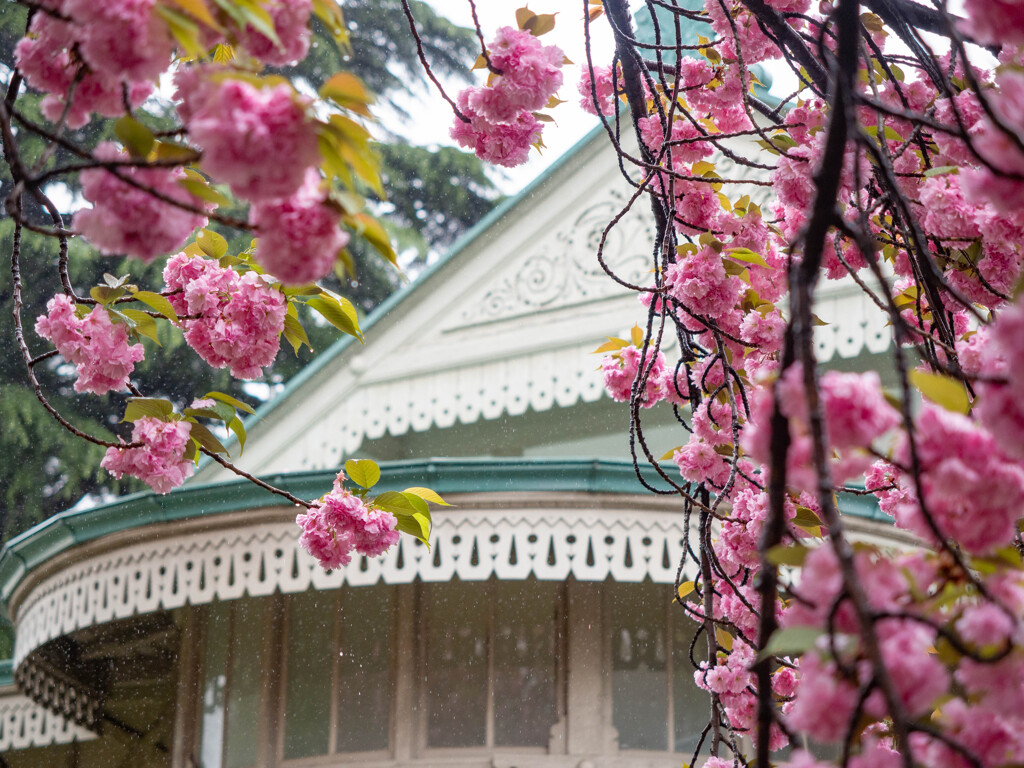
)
(788, 554)
(347, 91)
(371, 230)
(410, 511)
(199, 188)
(295, 333)
(941, 170)
(165, 150)
(230, 401)
(158, 303)
(106, 295)
(136, 137)
(724, 638)
(206, 438)
(144, 325)
(790, 641)
(184, 30)
(153, 407)
(415, 524)
(363, 472)
(334, 312)
(236, 426)
(211, 243)
(540, 24)
(942, 390)
(198, 10)
(747, 256)
(427, 495)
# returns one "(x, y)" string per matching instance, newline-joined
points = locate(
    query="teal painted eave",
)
(6, 673)
(446, 476)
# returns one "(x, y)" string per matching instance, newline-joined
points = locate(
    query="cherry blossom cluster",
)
(235, 320)
(160, 462)
(342, 523)
(501, 123)
(97, 347)
(948, 266)
(257, 137)
(127, 217)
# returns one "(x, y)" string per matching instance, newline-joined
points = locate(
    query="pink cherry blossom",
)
(621, 369)
(161, 462)
(98, 348)
(299, 236)
(44, 58)
(700, 283)
(123, 39)
(126, 219)
(530, 75)
(342, 523)
(260, 142)
(240, 317)
(505, 144)
(291, 23)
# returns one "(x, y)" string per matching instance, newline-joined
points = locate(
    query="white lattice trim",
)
(260, 559)
(466, 395)
(24, 724)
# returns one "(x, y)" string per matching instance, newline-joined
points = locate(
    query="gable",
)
(505, 324)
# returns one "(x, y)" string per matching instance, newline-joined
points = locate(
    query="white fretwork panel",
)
(466, 395)
(855, 326)
(261, 559)
(25, 724)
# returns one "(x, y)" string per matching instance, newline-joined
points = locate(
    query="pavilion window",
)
(656, 705)
(232, 684)
(493, 661)
(337, 685)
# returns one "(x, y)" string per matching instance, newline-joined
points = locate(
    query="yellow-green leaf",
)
(136, 137)
(942, 390)
(295, 333)
(427, 495)
(106, 295)
(334, 313)
(373, 232)
(158, 303)
(233, 401)
(747, 256)
(685, 588)
(362, 472)
(788, 554)
(152, 407)
(184, 30)
(348, 91)
(144, 325)
(611, 345)
(236, 426)
(198, 10)
(724, 638)
(206, 438)
(790, 641)
(203, 191)
(212, 244)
